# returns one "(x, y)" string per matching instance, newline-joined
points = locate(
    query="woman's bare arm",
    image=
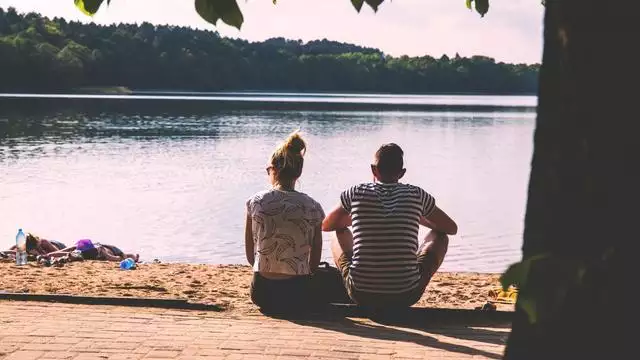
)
(59, 253)
(249, 246)
(316, 249)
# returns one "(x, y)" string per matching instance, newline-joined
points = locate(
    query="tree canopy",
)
(37, 53)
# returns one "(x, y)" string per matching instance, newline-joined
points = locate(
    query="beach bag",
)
(327, 285)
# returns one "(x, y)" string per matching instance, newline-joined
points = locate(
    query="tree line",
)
(42, 54)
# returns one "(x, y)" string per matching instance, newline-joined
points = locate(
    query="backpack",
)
(327, 285)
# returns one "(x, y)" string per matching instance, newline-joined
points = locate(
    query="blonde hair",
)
(288, 158)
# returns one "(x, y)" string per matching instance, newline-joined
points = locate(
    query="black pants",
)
(287, 295)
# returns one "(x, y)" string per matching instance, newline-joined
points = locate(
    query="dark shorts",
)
(58, 244)
(114, 250)
(90, 254)
(382, 300)
(281, 295)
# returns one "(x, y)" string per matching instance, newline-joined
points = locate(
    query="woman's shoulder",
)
(304, 197)
(266, 198)
(261, 195)
(310, 203)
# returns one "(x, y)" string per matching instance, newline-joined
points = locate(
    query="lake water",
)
(168, 176)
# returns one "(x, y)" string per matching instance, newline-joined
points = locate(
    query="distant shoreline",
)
(102, 90)
(124, 90)
(206, 102)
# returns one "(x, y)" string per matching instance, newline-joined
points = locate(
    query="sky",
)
(510, 32)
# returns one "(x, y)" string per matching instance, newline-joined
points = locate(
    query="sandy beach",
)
(224, 285)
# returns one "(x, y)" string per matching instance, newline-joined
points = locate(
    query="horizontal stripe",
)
(386, 283)
(387, 260)
(370, 274)
(385, 289)
(385, 263)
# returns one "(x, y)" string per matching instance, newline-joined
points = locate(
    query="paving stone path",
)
(37, 330)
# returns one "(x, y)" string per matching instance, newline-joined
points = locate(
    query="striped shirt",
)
(385, 220)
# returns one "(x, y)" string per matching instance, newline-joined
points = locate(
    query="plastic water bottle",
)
(128, 264)
(21, 248)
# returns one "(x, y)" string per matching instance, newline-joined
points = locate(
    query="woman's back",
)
(283, 224)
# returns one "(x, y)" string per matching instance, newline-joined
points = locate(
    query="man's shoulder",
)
(361, 186)
(411, 187)
(358, 189)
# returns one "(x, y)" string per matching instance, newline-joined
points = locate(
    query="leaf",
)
(482, 6)
(357, 4)
(469, 4)
(518, 273)
(374, 4)
(582, 270)
(529, 307)
(225, 10)
(89, 7)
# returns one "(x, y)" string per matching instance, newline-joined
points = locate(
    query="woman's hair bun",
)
(295, 144)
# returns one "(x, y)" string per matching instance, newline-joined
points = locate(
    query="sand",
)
(224, 285)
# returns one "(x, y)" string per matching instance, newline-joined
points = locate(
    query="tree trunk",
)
(583, 196)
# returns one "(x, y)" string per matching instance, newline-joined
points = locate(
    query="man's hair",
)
(389, 160)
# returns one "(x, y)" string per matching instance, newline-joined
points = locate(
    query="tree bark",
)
(583, 200)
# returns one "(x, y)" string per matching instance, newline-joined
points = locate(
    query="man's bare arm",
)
(438, 220)
(337, 219)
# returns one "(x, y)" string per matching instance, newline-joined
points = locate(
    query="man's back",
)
(385, 219)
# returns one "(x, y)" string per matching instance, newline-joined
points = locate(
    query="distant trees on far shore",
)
(41, 54)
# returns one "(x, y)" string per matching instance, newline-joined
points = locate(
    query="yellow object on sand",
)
(505, 297)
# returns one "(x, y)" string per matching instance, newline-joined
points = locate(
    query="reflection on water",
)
(171, 181)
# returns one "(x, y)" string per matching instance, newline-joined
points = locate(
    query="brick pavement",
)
(36, 330)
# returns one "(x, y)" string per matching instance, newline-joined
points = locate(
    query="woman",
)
(283, 236)
(37, 246)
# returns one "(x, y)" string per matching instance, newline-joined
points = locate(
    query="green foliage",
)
(545, 281)
(482, 6)
(89, 7)
(52, 29)
(226, 10)
(374, 4)
(357, 4)
(229, 12)
(37, 54)
(517, 275)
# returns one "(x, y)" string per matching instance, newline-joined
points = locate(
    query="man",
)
(381, 262)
